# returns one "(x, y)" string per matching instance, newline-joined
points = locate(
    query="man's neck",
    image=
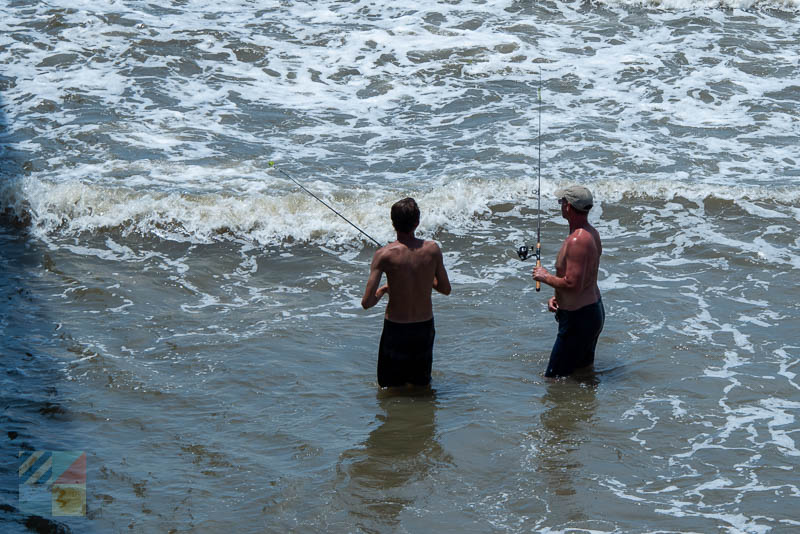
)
(577, 222)
(406, 238)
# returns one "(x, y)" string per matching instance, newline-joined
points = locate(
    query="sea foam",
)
(281, 211)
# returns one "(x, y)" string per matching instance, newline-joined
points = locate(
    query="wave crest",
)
(458, 206)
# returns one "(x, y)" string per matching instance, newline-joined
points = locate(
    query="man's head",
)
(405, 215)
(577, 196)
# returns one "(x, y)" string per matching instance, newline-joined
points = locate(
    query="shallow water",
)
(179, 310)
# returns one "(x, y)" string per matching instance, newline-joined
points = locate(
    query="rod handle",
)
(538, 263)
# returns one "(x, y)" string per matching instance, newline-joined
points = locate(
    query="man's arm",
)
(371, 296)
(576, 258)
(441, 282)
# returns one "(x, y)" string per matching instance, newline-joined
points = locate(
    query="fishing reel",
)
(524, 252)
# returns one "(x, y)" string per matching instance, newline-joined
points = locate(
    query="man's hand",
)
(383, 290)
(540, 274)
(552, 305)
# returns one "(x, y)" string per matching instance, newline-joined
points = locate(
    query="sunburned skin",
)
(577, 263)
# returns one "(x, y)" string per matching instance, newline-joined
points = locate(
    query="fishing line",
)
(539, 189)
(272, 164)
(524, 251)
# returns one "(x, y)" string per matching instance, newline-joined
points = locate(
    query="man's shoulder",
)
(391, 251)
(583, 238)
(384, 252)
(396, 249)
(431, 247)
(583, 234)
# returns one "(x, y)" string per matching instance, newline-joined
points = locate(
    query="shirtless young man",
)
(577, 303)
(413, 268)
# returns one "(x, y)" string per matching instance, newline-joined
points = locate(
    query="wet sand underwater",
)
(180, 311)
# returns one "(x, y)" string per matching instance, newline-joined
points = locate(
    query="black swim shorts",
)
(405, 355)
(578, 331)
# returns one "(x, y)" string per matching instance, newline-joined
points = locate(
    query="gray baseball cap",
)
(577, 195)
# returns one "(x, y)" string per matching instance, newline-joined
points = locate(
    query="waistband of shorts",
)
(598, 302)
(420, 324)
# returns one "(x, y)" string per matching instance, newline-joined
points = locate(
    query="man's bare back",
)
(413, 268)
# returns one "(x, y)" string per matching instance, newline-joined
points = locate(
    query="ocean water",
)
(180, 310)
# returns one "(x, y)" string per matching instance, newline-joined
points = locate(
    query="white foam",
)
(266, 210)
(787, 361)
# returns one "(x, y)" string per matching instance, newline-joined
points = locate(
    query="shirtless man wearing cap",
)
(413, 267)
(577, 303)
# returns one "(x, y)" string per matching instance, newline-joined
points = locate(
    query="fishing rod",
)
(272, 164)
(523, 251)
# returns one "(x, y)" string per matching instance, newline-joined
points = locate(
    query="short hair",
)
(405, 215)
(580, 210)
